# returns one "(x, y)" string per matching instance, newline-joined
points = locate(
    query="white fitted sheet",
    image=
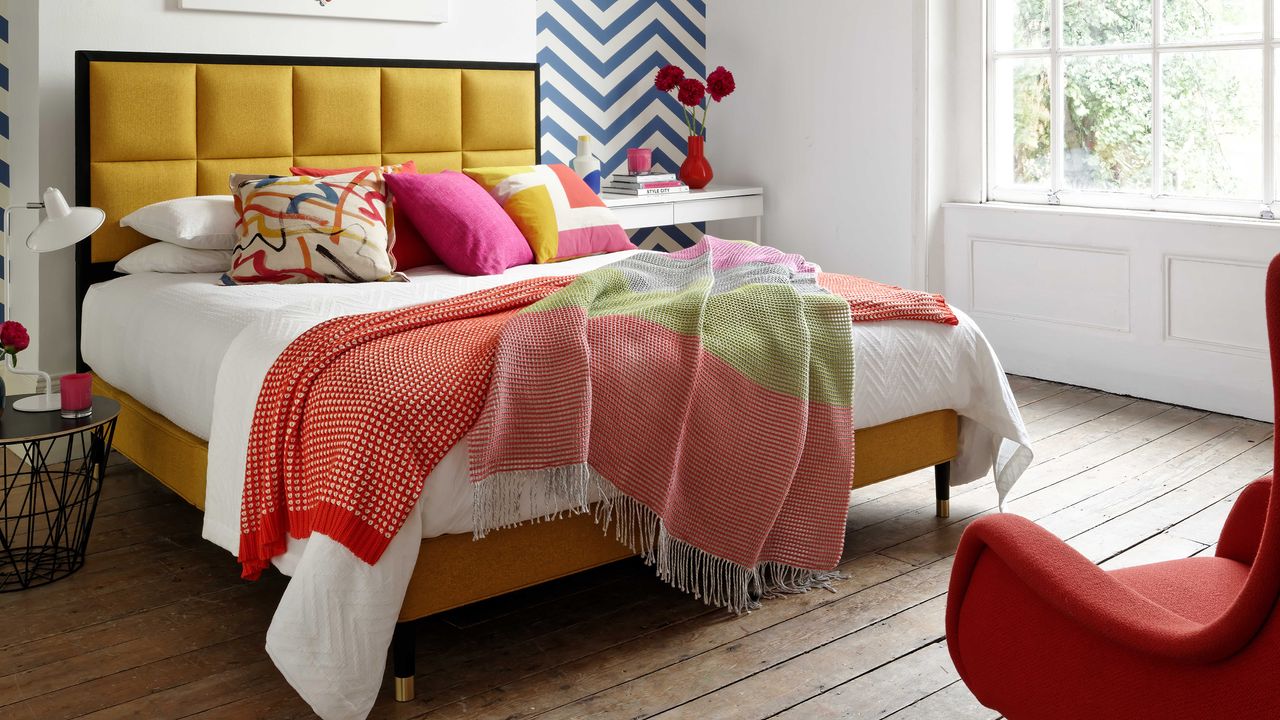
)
(162, 338)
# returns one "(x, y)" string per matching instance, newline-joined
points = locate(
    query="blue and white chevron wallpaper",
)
(598, 60)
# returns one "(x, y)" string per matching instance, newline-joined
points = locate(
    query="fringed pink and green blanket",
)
(704, 397)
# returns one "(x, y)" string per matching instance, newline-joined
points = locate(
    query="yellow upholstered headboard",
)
(152, 127)
(167, 126)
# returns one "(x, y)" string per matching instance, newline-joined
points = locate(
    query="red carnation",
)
(13, 338)
(668, 78)
(720, 84)
(691, 92)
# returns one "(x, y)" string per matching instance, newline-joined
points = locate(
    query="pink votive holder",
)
(77, 395)
(639, 160)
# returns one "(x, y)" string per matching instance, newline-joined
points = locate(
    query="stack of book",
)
(650, 183)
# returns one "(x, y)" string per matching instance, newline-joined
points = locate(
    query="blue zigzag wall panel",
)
(598, 60)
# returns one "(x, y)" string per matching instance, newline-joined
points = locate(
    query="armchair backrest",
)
(1273, 334)
(1258, 597)
(1254, 606)
(1269, 548)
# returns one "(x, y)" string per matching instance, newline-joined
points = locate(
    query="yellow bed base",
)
(453, 570)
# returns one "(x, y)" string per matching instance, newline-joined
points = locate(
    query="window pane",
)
(1212, 117)
(1021, 24)
(1188, 20)
(1106, 22)
(1108, 123)
(1020, 133)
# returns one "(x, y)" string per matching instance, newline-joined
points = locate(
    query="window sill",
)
(1138, 215)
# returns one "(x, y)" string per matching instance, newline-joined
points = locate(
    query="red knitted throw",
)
(870, 301)
(354, 414)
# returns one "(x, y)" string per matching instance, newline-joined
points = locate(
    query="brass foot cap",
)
(404, 689)
(944, 508)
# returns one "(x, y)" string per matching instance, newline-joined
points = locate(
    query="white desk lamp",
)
(62, 227)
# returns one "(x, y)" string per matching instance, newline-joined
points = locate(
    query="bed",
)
(926, 396)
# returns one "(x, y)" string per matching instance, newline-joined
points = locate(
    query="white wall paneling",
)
(1154, 305)
(1029, 281)
(1214, 304)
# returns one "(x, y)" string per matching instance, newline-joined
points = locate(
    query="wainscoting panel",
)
(598, 61)
(1025, 280)
(1214, 304)
(1158, 306)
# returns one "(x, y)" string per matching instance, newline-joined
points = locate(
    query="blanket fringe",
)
(502, 500)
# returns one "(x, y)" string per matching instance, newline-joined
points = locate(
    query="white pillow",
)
(164, 257)
(206, 222)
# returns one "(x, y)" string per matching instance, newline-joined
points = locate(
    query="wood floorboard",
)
(159, 625)
(953, 702)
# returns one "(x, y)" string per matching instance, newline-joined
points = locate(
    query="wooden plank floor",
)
(158, 624)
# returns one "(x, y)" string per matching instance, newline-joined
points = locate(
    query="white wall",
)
(824, 119)
(23, 160)
(949, 66)
(494, 30)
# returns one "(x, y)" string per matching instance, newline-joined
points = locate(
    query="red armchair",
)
(1039, 632)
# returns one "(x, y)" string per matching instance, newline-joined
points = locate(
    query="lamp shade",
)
(63, 225)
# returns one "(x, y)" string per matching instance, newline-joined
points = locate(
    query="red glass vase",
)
(696, 171)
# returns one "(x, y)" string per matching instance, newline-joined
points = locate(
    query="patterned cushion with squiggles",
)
(306, 229)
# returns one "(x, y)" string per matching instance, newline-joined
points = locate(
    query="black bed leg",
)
(403, 646)
(942, 488)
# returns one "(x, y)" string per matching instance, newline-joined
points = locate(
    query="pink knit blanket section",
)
(698, 402)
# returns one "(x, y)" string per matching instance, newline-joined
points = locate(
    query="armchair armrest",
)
(1242, 533)
(1086, 595)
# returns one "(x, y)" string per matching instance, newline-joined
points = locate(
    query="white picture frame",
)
(423, 11)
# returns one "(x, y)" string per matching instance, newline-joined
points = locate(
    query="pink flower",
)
(691, 92)
(13, 337)
(668, 78)
(720, 84)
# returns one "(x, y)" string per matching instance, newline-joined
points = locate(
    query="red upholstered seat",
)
(1039, 632)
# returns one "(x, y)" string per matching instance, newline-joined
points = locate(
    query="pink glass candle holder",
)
(639, 160)
(77, 395)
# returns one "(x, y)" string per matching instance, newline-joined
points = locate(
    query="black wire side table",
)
(51, 472)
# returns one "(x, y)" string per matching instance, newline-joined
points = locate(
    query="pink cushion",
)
(465, 227)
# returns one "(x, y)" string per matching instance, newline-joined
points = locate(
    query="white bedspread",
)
(197, 353)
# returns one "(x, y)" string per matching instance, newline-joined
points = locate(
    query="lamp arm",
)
(12, 364)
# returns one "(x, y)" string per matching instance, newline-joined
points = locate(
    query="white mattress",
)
(162, 338)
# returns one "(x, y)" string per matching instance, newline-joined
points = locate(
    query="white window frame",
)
(1058, 193)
